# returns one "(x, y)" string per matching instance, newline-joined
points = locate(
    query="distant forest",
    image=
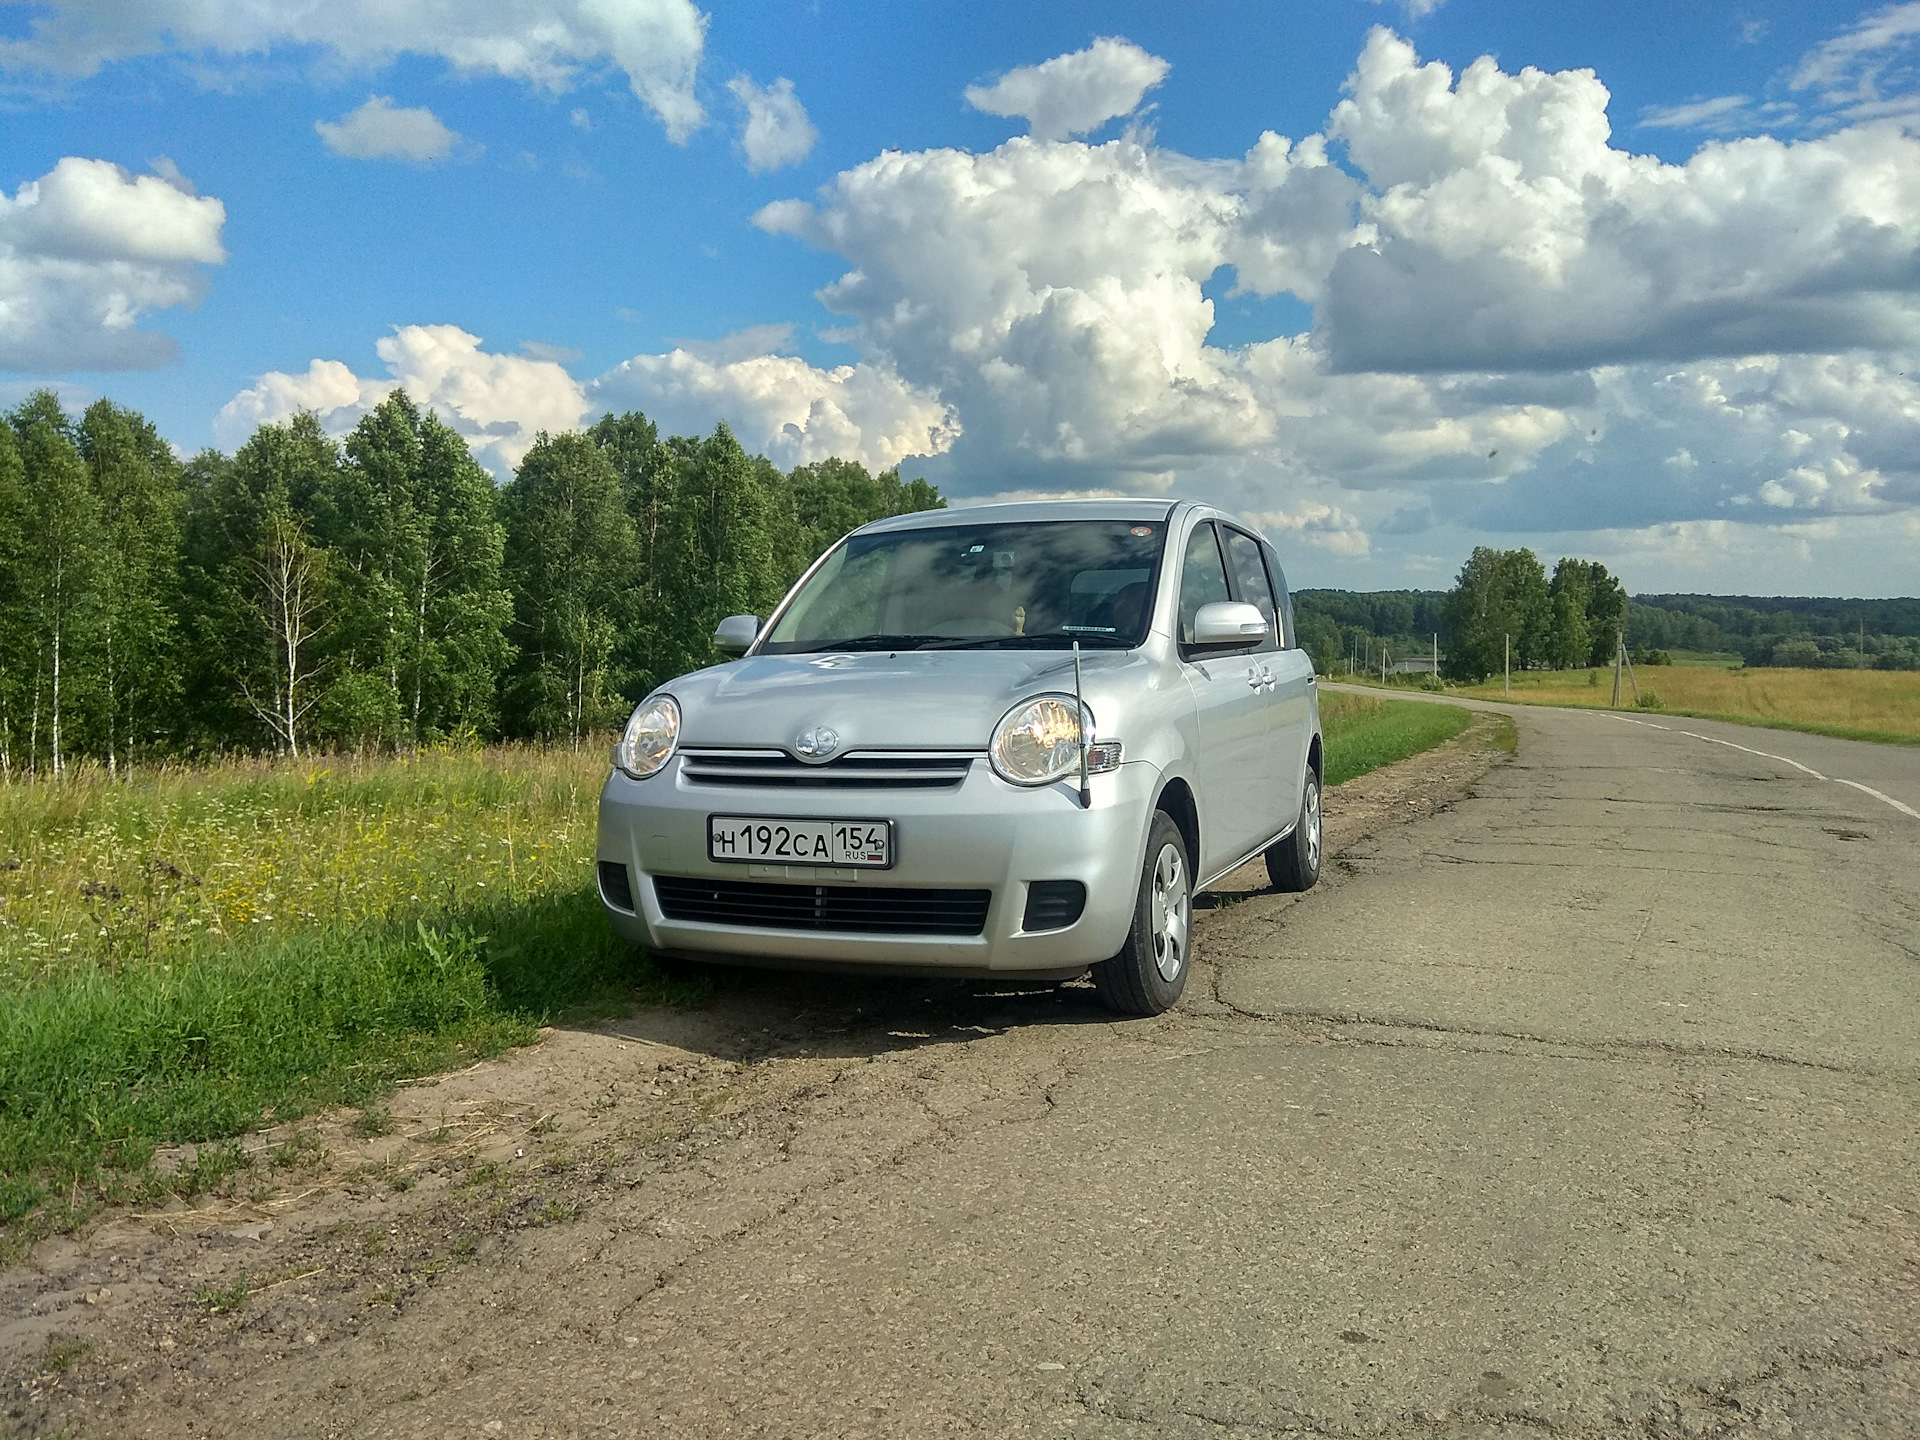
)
(379, 591)
(1802, 631)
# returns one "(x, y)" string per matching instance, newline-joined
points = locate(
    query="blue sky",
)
(1663, 312)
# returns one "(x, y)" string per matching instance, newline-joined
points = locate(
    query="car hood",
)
(938, 700)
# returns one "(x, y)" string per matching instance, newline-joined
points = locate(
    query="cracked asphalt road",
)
(1582, 1104)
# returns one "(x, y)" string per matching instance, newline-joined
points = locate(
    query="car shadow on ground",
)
(756, 1015)
(749, 1014)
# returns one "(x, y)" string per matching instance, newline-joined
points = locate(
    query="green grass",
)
(1364, 734)
(358, 924)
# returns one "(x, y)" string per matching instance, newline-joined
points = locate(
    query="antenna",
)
(1080, 706)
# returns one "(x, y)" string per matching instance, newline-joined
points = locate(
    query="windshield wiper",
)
(870, 642)
(1048, 640)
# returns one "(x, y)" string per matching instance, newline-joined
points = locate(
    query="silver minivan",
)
(1005, 741)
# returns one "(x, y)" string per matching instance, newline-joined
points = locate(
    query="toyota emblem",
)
(816, 744)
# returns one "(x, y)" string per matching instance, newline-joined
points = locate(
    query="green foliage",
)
(1588, 611)
(261, 590)
(1364, 734)
(571, 561)
(1498, 612)
(1341, 626)
(57, 558)
(136, 481)
(378, 595)
(325, 931)
(419, 636)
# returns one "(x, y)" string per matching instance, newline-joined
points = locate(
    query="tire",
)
(1293, 864)
(1151, 970)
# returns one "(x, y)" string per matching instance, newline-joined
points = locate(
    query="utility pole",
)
(1506, 684)
(1436, 654)
(1620, 654)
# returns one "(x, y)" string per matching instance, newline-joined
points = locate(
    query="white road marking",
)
(1764, 755)
(1900, 805)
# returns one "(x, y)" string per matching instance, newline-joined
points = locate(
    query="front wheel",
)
(1150, 971)
(1294, 863)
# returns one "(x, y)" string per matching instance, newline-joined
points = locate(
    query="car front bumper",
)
(981, 834)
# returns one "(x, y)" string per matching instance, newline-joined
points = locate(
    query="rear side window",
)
(1250, 580)
(1203, 577)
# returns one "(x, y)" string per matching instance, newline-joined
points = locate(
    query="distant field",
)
(1854, 704)
(190, 952)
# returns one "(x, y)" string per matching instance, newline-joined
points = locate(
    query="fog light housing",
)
(1053, 904)
(616, 886)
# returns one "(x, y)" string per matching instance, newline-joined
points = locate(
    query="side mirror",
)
(1229, 622)
(736, 633)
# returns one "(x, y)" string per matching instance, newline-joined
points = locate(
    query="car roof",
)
(1027, 512)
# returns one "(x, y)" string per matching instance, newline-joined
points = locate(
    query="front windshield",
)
(983, 587)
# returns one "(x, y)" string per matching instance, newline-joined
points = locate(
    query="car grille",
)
(871, 770)
(850, 909)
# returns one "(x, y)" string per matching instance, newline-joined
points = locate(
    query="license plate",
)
(764, 840)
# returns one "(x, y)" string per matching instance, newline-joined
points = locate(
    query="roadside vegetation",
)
(188, 953)
(1365, 734)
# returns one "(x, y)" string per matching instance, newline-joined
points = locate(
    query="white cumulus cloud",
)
(86, 252)
(1510, 234)
(1074, 94)
(778, 405)
(1518, 326)
(546, 43)
(498, 403)
(781, 406)
(381, 130)
(1327, 526)
(776, 130)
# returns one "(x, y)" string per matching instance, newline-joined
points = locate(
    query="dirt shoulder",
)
(360, 1260)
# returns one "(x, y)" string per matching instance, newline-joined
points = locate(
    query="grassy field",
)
(1879, 705)
(1364, 734)
(193, 952)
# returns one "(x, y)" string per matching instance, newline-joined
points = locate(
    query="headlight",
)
(647, 743)
(1038, 742)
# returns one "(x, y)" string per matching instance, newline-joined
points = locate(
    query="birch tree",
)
(58, 549)
(135, 480)
(260, 583)
(15, 644)
(571, 563)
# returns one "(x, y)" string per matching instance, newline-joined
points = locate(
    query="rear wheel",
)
(1150, 971)
(1294, 863)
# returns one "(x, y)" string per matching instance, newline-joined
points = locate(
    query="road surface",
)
(1582, 1106)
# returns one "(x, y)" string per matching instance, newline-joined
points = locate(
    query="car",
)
(1008, 741)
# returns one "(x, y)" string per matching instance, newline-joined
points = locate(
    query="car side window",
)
(1203, 577)
(1251, 584)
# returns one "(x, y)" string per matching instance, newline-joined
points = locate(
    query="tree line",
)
(379, 591)
(1505, 609)
(1803, 631)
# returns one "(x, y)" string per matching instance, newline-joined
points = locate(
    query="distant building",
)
(1418, 665)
